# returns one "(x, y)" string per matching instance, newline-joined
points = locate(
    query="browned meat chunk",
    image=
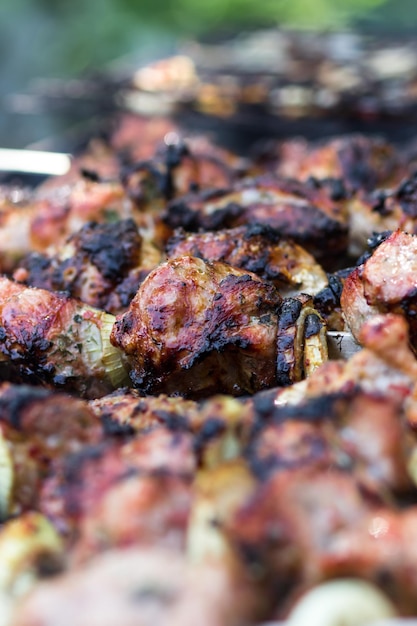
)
(361, 162)
(195, 328)
(49, 338)
(385, 283)
(258, 249)
(102, 265)
(305, 213)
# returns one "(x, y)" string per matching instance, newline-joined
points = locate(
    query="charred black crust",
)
(179, 213)
(263, 466)
(313, 325)
(172, 421)
(288, 315)
(379, 202)
(90, 175)
(212, 428)
(373, 242)
(315, 409)
(328, 299)
(113, 428)
(406, 194)
(73, 464)
(110, 246)
(271, 235)
(335, 186)
(16, 399)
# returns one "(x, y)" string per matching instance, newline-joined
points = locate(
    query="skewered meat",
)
(49, 218)
(255, 498)
(196, 328)
(50, 337)
(200, 327)
(140, 587)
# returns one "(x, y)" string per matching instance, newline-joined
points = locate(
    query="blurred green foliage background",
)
(67, 38)
(49, 37)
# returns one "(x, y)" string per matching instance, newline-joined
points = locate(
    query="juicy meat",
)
(258, 249)
(195, 328)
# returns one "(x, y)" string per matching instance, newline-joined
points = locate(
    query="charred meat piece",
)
(140, 587)
(383, 210)
(50, 216)
(49, 338)
(304, 213)
(122, 493)
(350, 429)
(177, 168)
(258, 249)
(385, 283)
(198, 327)
(102, 265)
(40, 426)
(360, 162)
(195, 328)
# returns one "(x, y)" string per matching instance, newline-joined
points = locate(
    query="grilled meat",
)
(360, 162)
(385, 283)
(102, 265)
(257, 249)
(50, 338)
(197, 327)
(241, 503)
(303, 212)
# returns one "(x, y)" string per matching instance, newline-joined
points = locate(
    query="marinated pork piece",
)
(52, 215)
(120, 493)
(102, 265)
(39, 426)
(196, 328)
(385, 283)
(351, 429)
(360, 162)
(140, 587)
(312, 517)
(258, 249)
(221, 425)
(49, 338)
(305, 213)
(124, 412)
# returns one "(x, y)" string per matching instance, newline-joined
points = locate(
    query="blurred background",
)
(46, 44)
